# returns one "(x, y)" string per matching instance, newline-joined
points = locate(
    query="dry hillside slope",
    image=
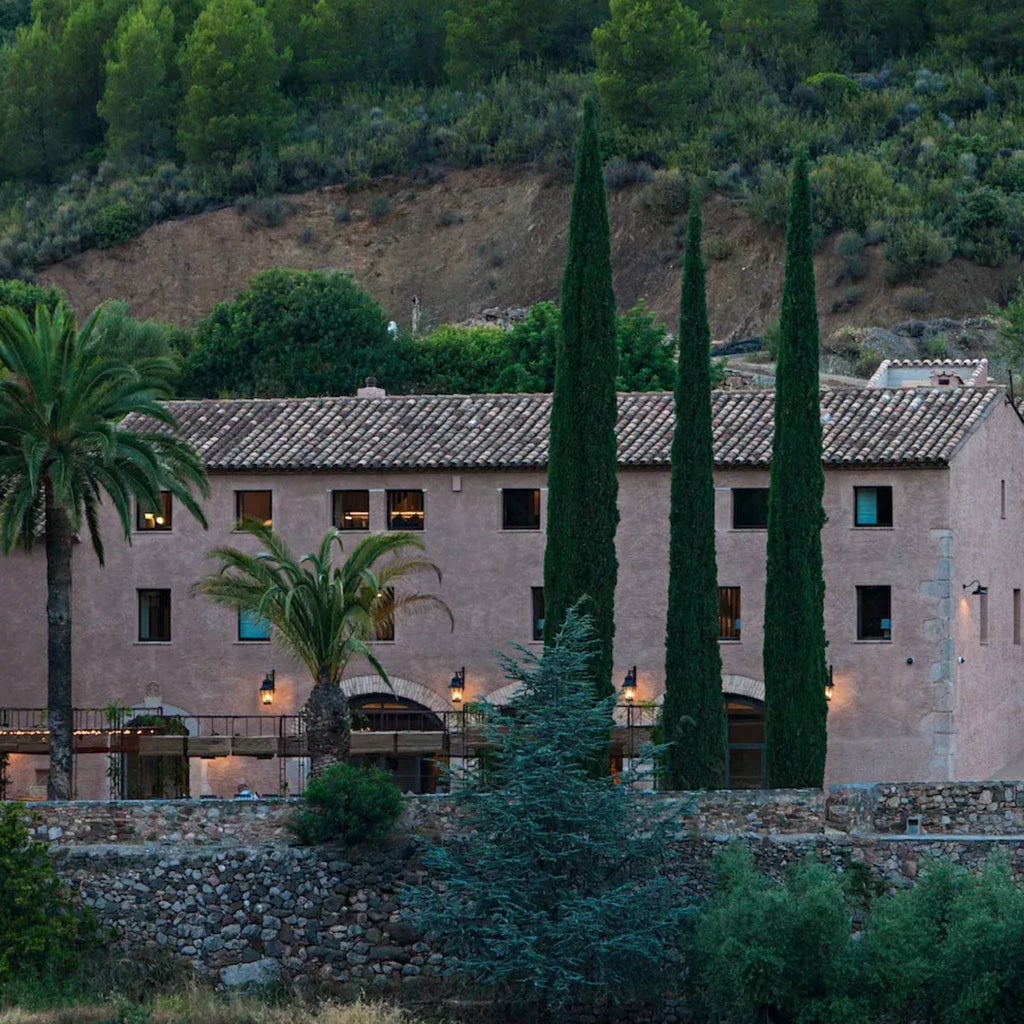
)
(481, 239)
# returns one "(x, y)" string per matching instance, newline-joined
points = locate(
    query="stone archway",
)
(743, 686)
(362, 686)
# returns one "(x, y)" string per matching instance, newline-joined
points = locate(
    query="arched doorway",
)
(744, 745)
(385, 712)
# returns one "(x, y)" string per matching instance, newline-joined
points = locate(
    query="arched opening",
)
(385, 712)
(744, 745)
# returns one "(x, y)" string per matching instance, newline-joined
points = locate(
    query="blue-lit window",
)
(252, 627)
(872, 506)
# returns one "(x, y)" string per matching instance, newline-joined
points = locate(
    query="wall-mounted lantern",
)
(267, 688)
(829, 685)
(457, 687)
(978, 591)
(629, 686)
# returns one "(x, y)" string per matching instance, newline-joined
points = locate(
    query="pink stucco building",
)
(924, 565)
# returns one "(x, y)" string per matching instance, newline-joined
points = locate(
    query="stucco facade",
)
(935, 699)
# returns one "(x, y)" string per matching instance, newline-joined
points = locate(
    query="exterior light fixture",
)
(829, 684)
(267, 688)
(457, 686)
(978, 591)
(629, 686)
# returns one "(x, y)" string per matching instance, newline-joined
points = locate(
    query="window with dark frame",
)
(385, 628)
(537, 608)
(147, 519)
(1016, 616)
(405, 510)
(154, 615)
(745, 766)
(729, 622)
(254, 507)
(872, 506)
(750, 508)
(351, 510)
(520, 508)
(252, 627)
(874, 613)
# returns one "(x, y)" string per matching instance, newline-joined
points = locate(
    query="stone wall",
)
(934, 808)
(205, 822)
(216, 883)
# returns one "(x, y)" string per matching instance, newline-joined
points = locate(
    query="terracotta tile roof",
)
(861, 427)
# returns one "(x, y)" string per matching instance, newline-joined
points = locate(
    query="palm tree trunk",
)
(328, 726)
(58, 649)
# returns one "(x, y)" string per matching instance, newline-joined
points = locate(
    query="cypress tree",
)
(693, 718)
(794, 627)
(579, 560)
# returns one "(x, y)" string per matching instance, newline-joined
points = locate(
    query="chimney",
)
(370, 390)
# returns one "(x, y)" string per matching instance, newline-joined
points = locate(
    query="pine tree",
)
(229, 74)
(579, 560)
(794, 627)
(140, 92)
(693, 718)
(558, 895)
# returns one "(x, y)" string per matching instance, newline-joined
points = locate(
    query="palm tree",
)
(323, 614)
(63, 448)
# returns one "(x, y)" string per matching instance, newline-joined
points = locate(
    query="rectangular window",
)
(729, 621)
(385, 628)
(520, 508)
(405, 510)
(154, 519)
(154, 615)
(537, 602)
(252, 627)
(352, 510)
(749, 508)
(874, 613)
(1002, 499)
(983, 618)
(872, 506)
(1016, 617)
(254, 507)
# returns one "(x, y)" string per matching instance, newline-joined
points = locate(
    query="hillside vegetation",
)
(119, 114)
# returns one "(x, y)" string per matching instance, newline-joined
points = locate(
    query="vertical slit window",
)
(1016, 616)
(537, 602)
(729, 622)
(983, 618)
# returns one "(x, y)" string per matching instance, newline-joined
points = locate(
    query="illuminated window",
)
(254, 507)
(352, 510)
(405, 510)
(154, 519)
(154, 615)
(385, 623)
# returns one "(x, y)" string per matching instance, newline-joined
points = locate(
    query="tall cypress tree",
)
(693, 718)
(579, 560)
(794, 627)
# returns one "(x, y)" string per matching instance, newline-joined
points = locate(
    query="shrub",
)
(768, 198)
(717, 247)
(41, 930)
(380, 207)
(668, 194)
(115, 224)
(949, 950)
(769, 951)
(446, 218)
(620, 173)
(850, 250)
(911, 248)
(916, 300)
(347, 804)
